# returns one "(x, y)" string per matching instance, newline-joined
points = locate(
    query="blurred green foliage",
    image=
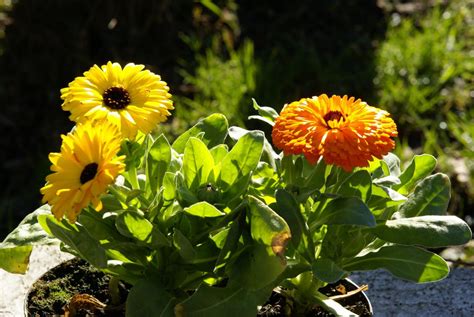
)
(224, 86)
(425, 79)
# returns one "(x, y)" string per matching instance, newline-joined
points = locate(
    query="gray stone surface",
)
(454, 296)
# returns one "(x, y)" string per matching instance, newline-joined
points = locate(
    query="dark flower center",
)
(116, 98)
(88, 172)
(333, 115)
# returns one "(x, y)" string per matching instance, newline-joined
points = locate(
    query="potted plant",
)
(216, 221)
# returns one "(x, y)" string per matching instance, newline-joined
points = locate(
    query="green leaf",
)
(345, 211)
(405, 262)
(384, 197)
(428, 231)
(288, 208)
(133, 151)
(327, 271)
(268, 154)
(15, 259)
(149, 298)
(100, 226)
(183, 194)
(134, 225)
(393, 164)
(184, 246)
(215, 301)
(157, 161)
(267, 227)
(169, 186)
(315, 178)
(77, 238)
(266, 114)
(214, 128)
(430, 197)
(197, 163)
(219, 152)
(358, 185)
(227, 240)
(420, 167)
(203, 209)
(255, 268)
(241, 161)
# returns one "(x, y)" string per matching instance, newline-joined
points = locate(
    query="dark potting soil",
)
(52, 292)
(280, 306)
(50, 295)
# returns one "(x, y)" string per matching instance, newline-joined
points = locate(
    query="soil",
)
(51, 295)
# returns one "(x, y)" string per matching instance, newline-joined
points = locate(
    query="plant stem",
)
(114, 290)
(133, 177)
(331, 305)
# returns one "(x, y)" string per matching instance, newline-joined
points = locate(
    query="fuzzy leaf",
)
(346, 211)
(267, 227)
(184, 246)
(77, 238)
(238, 164)
(266, 114)
(327, 271)
(405, 262)
(15, 259)
(428, 231)
(203, 209)
(288, 208)
(255, 268)
(358, 185)
(148, 298)
(242, 159)
(214, 129)
(197, 163)
(157, 161)
(133, 225)
(430, 197)
(215, 301)
(420, 167)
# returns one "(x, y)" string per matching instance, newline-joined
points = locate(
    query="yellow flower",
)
(86, 166)
(344, 131)
(131, 98)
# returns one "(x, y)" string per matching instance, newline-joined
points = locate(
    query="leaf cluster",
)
(215, 221)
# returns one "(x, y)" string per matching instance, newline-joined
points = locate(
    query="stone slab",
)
(453, 296)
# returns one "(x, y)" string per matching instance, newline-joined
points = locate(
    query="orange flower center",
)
(333, 115)
(116, 98)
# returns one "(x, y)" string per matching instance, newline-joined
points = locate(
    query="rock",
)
(390, 296)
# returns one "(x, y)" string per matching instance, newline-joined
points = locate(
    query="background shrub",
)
(217, 55)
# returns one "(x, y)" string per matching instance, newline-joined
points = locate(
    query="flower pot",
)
(50, 295)
(278, 305)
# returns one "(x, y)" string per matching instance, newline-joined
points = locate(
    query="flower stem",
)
(114, 290)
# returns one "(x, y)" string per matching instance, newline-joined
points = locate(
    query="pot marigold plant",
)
(217, 220)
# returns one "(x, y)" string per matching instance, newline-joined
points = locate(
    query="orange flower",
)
(344, 131)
